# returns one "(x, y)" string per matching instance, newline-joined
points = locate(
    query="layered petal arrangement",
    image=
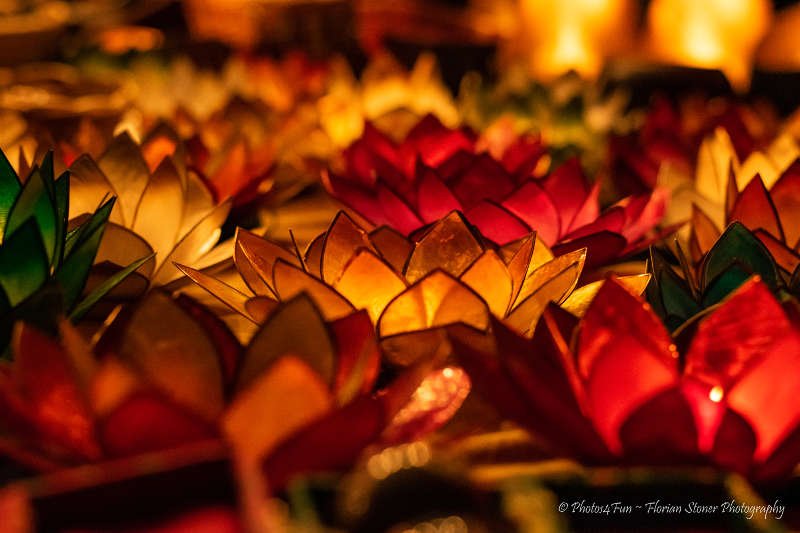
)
(613, 387)
(683, 287)
(45, 261)
(435, 170)
(386, 94)
(411, 288)
(164, 206)
(168, 373)
(771, 213)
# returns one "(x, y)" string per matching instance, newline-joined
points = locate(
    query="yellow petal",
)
(88, 187)
(126, 170)
(369, 283)
(715, 159)
(122, 247)
(552, 282)
(436, 300)
(198, 201)
(757, 163)
(255, 259)
(219, 289)
(291, 281)
(160, 212)
(578, 302)
(392, 246)
(342, 241)
(194, 245)
(260, 307)
(313, 255)
(489, 277)
(449, 246)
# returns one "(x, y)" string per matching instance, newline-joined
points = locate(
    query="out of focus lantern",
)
(574, 34)
(714, 34)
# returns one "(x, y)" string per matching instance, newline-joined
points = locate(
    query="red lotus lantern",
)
(498, 186)
(613, 388)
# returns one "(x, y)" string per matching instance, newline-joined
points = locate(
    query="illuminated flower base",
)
(613, 387)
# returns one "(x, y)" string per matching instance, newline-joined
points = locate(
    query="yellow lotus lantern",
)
(719, 172)
(388, 95)
(411, 287)
(716, 34)
(162, 205)
(564, 35)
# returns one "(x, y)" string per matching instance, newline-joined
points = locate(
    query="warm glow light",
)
(574, 34)
(715, 394)
(718, 34)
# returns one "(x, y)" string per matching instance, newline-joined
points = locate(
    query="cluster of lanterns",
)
(315, 273)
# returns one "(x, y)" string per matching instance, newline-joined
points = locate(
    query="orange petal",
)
(296, 328)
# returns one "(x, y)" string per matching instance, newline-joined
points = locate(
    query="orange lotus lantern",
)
(564, 35)
(715, 34)
(412, 288)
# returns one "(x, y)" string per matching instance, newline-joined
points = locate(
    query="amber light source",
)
(575, 34)
(717, 34)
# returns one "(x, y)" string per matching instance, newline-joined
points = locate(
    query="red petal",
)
(744, 329)
(766, 396)
(785, 194)
(612, 220)
(489, 378)
(357, 350)
(497, 224)
(754, 209)
(434, 199)
(399, 214)
(568, 187)
(434, 142)
(603, 248)
(588, 212)
(520, 159)
(48, 385)
(642, 218)
(734, 445)
(626, 357)
(484, 179)
(543, 370)
(661, 431)
(332, 443)
(364, 202)
(533, 205)
(783, 462)
(146, 422)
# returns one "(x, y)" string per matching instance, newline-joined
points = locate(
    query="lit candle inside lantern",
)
(715, 34)
(564, 35)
